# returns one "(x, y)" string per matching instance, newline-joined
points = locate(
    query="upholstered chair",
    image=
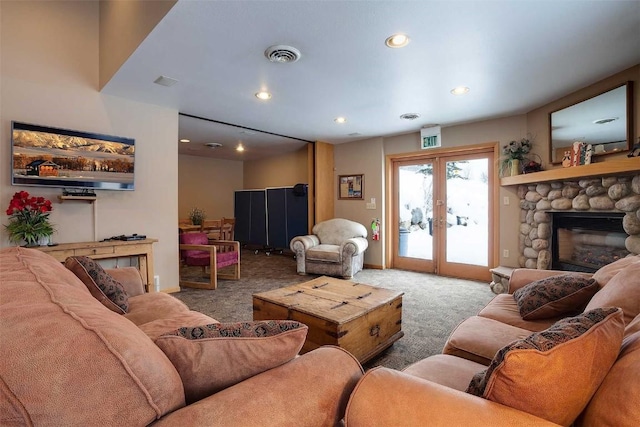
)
(196, 249)
(336, 248)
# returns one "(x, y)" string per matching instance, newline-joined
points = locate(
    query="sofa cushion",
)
(212, 357)
(154, 305)
(451, 371)
(129, 278)
(606, 273)
(68, 360)
(554, 296)
(503, 308)
(554, 373)
(616, 401)
(623, 290)
(325, 253)
(102, 286)
(463, 341)
(171, 322)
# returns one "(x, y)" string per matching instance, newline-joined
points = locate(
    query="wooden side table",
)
(142, 249)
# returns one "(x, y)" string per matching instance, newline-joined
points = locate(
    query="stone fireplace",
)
(595, 201)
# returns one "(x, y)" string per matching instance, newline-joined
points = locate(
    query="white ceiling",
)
(514, 56)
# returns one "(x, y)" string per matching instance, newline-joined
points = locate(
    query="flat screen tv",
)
(45, 156)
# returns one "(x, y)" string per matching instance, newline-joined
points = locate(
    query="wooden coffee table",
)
(362, 319)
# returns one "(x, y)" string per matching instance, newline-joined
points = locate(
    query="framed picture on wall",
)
(351, 187)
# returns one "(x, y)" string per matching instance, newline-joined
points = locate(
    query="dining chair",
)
(228, 227)
(213, 229)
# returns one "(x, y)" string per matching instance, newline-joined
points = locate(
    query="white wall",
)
(49, 76)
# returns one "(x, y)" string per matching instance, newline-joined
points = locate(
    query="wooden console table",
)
(111, 249)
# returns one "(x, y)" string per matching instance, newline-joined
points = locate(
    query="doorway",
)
(442, 218)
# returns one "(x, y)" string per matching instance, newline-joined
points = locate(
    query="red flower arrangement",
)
(29, 219)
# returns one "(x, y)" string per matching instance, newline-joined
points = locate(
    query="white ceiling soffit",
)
(514, 56)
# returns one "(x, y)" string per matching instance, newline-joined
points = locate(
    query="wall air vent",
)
(282, 54)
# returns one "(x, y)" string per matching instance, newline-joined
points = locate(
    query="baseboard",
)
(373, 266)
(170, 290)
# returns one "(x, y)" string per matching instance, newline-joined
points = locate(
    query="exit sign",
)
(430, 137)
(430, 141)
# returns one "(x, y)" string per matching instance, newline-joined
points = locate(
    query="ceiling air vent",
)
(410, 116)
(165, 81)
(282, 54)
(213, 145)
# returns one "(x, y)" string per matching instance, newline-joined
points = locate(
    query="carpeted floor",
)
(432, 305)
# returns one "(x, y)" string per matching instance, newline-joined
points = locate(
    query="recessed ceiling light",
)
(410, 116)
(460, 90)
(340, 120)
(184, 141)
(263, 95)
(240, 148)
(213, 145)
(397, 41)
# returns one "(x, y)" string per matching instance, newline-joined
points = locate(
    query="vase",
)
(515, 167)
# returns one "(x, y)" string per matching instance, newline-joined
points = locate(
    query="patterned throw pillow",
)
(554, 373)
(213, 357)
(555, 296)
(102, 286)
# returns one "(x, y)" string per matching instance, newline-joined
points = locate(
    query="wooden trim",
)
(311, 191)
(324, 182)
(373, 266)
(611, 167)
(434, 155)
(443, 152)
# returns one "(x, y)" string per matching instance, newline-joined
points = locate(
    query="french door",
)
(442, 213)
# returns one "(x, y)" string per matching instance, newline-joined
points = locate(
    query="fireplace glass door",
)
(586, 241)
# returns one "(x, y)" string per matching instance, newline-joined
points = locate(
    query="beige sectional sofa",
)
(591, 380)
(67, 360)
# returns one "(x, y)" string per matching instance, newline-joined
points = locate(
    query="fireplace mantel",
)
(612, 167)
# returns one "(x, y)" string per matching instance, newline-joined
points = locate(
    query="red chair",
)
(196, 250)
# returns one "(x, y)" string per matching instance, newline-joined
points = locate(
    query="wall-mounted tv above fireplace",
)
(45, 156)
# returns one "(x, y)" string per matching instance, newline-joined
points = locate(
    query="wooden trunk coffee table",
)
(362, 319)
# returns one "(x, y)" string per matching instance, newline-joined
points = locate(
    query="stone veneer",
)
(608, 194)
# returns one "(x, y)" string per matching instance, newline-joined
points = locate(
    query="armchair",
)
(336, 248)
(197, 250)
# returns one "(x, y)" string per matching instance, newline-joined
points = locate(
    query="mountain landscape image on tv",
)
(45, 156)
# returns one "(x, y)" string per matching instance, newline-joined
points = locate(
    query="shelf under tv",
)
(90, 199)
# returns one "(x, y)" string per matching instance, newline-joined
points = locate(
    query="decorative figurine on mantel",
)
(635, 151)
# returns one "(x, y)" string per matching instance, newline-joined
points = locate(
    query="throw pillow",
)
(554, 373)
(554, 296)
(213, 357)
(102, 286)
